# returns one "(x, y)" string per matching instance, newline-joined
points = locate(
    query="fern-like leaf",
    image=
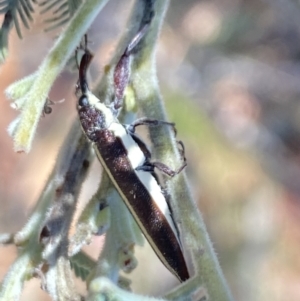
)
(16, 11)
(63, 10)
(6, 26)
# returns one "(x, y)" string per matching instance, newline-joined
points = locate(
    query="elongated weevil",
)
(126, 159)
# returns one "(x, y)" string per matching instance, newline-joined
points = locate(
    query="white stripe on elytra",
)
(136, 158)
(143, 228)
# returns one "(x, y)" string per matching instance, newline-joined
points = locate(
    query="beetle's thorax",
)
(94, 115)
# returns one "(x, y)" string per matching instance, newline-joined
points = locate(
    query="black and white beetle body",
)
(126, 160)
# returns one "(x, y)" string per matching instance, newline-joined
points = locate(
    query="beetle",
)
(127, 161)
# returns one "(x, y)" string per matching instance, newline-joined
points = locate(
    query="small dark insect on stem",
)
(47, 107)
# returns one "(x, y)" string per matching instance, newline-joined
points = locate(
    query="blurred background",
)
(230, 74)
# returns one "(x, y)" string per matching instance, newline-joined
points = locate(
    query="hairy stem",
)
(63, 184)
(194, 234)
(50, 69)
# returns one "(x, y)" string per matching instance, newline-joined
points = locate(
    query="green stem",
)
(28, 239)
(13, 282)
(194, 234)
(50, 69)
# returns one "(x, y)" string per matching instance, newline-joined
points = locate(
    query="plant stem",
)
(50, 69)
(187, 216)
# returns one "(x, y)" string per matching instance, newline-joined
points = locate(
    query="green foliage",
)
(15, 11)
(62, 11)
(20, 12)
(35, 96)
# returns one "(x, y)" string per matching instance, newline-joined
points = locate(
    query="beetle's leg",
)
(155, 122)
(149, 166)
(151, 122)
(142, 145)
(122, 69)
(166, 169)
(146, 121)
(182, 150)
